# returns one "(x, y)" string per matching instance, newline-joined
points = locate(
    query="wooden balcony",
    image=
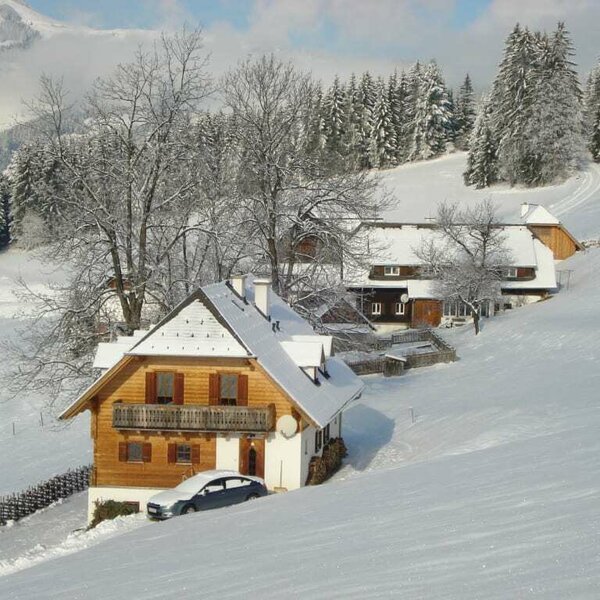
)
(155, 417)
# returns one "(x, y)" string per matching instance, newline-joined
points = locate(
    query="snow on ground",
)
(33, 452)
(491, 493)
(417, 188)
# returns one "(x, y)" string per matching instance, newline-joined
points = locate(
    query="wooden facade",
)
(123, 412)
(381, 305)
(557, 239)
(426, 312)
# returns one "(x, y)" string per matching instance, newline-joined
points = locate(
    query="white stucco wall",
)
(282, 461)
(119, 494)
(228, 453)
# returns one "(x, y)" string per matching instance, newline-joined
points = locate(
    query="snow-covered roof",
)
(535, 214)
(322, 400)
(545, 272)
(193, 331)
(216, 322)
(110, 353)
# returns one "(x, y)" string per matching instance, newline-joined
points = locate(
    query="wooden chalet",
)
(232, 378)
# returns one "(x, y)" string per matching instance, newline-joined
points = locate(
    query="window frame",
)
(157, 398)
(141, 447)
(391, 271)
(376, 308)
(400, 313)
(511, 272)
(177, 456)
(228, 400)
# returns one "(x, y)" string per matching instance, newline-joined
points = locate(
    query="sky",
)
(326, 37)
(341, 36)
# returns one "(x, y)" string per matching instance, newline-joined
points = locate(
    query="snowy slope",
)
(34, 452)
(492, 493)
(416, 189)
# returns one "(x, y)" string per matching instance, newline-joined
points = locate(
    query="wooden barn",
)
(232, 378)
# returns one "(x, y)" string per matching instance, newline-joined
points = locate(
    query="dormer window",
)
(391, 271)
(510, 273)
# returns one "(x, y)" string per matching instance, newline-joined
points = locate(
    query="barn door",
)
(252, 457)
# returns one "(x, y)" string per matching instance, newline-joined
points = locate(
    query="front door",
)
(252, 457)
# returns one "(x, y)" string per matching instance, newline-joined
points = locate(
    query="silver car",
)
(206, 490)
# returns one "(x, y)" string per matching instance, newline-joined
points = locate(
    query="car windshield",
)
(192, 485)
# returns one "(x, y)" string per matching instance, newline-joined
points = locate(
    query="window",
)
(510, 273)
(135, 452)
(391, 271)
(318, 440)
(218, 485)
(326, 435)
(184, 453)
(236, 482)
(228, 390)
(375, 308)
(399, 308)
(165, 385)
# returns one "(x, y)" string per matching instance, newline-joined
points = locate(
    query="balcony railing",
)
(193, 418)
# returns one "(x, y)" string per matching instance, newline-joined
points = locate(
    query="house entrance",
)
(252, 457)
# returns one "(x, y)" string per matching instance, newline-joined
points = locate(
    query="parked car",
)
(206, 490)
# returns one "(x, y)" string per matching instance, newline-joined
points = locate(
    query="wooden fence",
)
(17, 506)
(442, 352)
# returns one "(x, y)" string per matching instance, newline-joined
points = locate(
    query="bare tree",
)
(465, 256)
(289, 195)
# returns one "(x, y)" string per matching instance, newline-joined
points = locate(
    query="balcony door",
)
(252, 456)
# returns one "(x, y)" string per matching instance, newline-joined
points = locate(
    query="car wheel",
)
(189, 509)
(252, 497)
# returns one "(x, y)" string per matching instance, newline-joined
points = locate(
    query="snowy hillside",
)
(491, 493)
(32, 452)
(416, 188)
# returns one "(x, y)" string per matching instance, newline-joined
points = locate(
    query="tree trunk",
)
(476, 318)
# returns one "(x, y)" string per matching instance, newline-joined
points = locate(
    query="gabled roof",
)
(216, 322)
(537, 214)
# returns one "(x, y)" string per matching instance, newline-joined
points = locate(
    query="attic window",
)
(391, 271)
(229, 389)
(165, 387)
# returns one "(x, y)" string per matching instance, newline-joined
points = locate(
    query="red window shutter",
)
(122, 451)
(213, 389)
(146, 452)
(178, 389)
(150, 388)
(172, 453)
(242, 397)
(195, 454)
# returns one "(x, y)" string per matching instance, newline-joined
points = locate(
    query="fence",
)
(17, 506)
(443, 352)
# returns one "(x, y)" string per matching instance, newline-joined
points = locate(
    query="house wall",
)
(119, 494)
(426, 312)
(388, 299)
(228, 452)
(556, 239)
(283, 461)
(128, 386)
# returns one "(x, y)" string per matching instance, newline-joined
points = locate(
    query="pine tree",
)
(482, 168)
(351, 126)
(333, 118)
(366, 99)
(4, 208)
(433, 119)
(464, 114)
(22, 177)
(591, 113)
(411, 99)
(382, 149)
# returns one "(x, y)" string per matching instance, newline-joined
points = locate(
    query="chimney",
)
(238, 283)
(262, 300)
(524, 209)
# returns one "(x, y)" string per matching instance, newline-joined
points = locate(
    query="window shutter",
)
(195, 454)
(213, 389)
(122, 451)
(146, 452)
(178, 389)
(150, 388)
(172, 453)
(242, 391)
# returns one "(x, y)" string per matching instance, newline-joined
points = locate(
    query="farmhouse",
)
(232, 378)
(396, 291)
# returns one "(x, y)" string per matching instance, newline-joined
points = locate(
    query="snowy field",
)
(33, 452)
(491, 493)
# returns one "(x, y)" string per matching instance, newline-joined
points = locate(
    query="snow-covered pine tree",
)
(352, 115)
(366, 99)
(4, 208)
(396, 92)
(591, 113)
(433, 119)
(412, 84)
(22, 177)
(334, 118)
(464, 114)
(382, 148)
(482, 167)
(552, 134)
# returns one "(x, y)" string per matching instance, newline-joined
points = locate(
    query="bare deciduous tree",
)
(466, 255)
